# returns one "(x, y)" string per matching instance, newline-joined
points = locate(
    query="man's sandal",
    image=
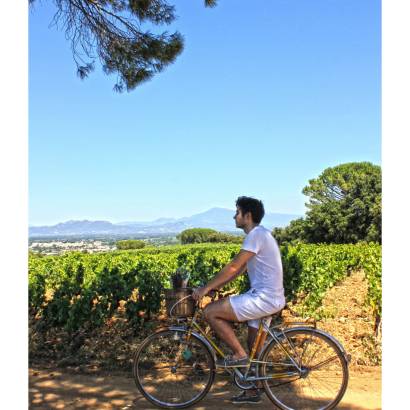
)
(229, 361)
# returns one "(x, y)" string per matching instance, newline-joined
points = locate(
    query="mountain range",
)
(220, 219)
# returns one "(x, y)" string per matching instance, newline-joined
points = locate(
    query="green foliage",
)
(225, 238)
(37, 273)
(370, 257)
(293, 234)
(111, 30)
(344, 204)
(344, 207)
(202, 235)
(310, 270)
(35, 254)
(196, 235)
(79, 290)
(130, 244)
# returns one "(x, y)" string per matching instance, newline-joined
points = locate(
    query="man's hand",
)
(199, 293)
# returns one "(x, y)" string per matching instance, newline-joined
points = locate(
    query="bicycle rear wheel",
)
(172, 372)
(323, 376)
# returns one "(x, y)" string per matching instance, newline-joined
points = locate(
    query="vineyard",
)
(82, 291)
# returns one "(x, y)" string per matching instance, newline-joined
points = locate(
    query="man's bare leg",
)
(218, 314)
(252, 332)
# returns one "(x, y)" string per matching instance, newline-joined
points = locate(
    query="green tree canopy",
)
(344, 207)
(201, 235)
(130, 244)
(111, 31)
(293, 233)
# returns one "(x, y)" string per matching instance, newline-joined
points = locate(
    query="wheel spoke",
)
(171, 372)
(323, 376)
(323, 363)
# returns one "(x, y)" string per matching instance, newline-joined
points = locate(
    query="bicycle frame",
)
(285, 357)
(296, 369)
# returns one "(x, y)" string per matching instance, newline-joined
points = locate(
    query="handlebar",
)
(213, 293)
(222, 293)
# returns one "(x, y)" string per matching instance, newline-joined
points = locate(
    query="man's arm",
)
(241, 270)
(228, 273)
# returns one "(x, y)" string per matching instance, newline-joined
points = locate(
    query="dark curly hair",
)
(252, 205)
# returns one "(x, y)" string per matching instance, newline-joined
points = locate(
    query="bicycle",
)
(299, 366)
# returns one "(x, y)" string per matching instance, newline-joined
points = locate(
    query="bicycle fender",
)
(323, 333)
(336, 342)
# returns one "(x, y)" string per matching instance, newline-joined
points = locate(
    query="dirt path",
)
(61, 389)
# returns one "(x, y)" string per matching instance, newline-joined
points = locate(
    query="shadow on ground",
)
(60, 389)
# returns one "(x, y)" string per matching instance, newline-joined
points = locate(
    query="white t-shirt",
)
(265, 268)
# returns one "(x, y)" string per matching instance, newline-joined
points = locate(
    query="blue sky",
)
(262, 99)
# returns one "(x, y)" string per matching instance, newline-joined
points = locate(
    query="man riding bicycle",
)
(260, 257)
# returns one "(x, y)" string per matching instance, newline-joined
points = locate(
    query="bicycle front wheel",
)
(312, 375)
(172, 371)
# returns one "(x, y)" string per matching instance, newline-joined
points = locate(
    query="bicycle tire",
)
(171, 372)
(324, 377)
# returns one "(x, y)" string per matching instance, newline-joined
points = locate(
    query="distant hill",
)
(220, 219)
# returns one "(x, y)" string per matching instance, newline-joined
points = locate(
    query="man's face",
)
(239, 218)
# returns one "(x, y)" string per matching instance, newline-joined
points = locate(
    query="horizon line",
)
(35, 225)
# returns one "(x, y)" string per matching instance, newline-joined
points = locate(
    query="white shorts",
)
(254, 305)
